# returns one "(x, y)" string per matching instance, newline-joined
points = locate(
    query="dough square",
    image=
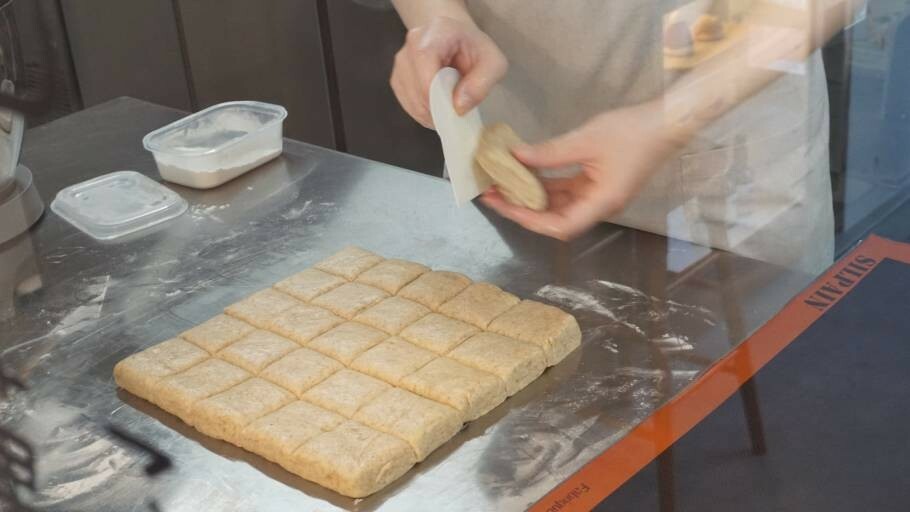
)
(423, 423)
(257, 350)
(548, 327)
(479, 304)
(472, 392)
(300, 370)
(392, 275)
(309, 284)
(517, 363)
(139, 372)
(353, 459)
(303, 323)
(347, 341)
(348, 262)
(224, 415)
(177, 393)
(349, 299)
(345, 391)
(259, 308)
(217, 332)
(392, 360)
(276, 435)
(392, 314)
(434, 288)
(438, 333)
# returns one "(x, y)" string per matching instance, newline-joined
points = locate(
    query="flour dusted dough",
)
(217, 332)
(300, 370)
(548, 327)
(392, 360)
(353, 459)
(345, 392)
(257, 350)
(472, 392)
(392, 314)
(261, 307)
(224, 415)
(348, 262)
(304, 322)
(423, 423)
(438, 333)
(479, 304)
(434, 288)
(391, 275)
(177, 393)
(276, 435)
(139, 372)
(515, 182)
(517, 363)
(347, 341)
(309, 284)
(349, 373)
(349, 299)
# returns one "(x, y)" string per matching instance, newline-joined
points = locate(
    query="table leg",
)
(666, 494)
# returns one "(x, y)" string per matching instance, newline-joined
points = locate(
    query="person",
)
(729, 149)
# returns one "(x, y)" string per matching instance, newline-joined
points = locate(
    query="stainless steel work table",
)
(655, 315)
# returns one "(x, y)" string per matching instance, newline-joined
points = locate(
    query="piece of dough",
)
(304, 322)
(391, 275)
(349, 299)
(438, 333)
(300, 370)
(177, 393)
(472, 392)
(139, 372)
(423, 423)
(392, 314)
(217, 332)
(257, 350)
(345, 392)
(515, 182)
(259, 308)
(309, 284)
(392, 360)
(347, 341)
(276, 435)
(517, 363)
(479, 304)
(434, 288)
(353, 459)
(548, 327)
(348, 262)
(223, 416)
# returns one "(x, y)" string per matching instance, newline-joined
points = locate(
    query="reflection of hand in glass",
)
(617, 151)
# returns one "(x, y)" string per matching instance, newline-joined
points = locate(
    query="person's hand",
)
(445, 42)
(617, 152)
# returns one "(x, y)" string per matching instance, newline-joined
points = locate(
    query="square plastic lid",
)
(117, 204)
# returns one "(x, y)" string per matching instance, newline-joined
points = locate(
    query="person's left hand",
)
(618, 152)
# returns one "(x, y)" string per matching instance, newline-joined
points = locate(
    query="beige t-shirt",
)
(755, 182)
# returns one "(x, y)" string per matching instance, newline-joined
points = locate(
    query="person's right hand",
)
(440, 43)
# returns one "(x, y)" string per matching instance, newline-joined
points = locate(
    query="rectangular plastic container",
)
(217, 144)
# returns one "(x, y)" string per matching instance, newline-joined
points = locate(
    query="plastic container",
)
(117, 204)
(217, 144)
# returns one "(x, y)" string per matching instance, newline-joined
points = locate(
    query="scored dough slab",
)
(350, 372)
(548, 327)
(434, 288)
(479, 304)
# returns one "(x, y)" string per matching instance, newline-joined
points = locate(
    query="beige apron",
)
(755, 182)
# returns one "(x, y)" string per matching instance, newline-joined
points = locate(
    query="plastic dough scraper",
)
(459, 136)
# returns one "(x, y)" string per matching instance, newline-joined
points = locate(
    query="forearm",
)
(772, 34)
(415, 13)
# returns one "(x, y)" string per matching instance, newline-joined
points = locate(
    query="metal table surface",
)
(655, 314)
